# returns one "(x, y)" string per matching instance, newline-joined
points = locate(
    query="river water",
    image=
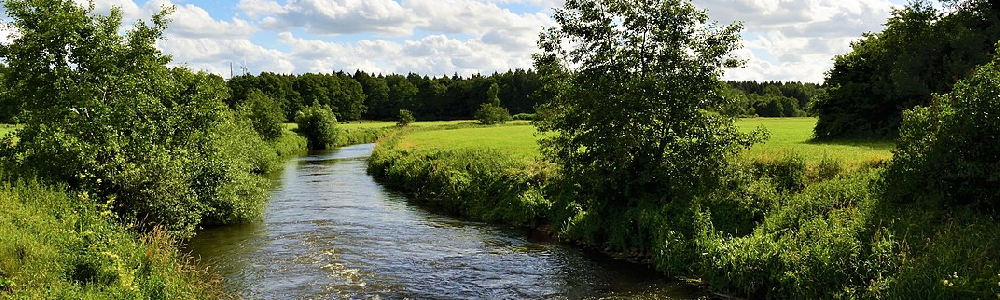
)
(331, 232)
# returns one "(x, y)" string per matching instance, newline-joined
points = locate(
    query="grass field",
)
(515, 138)
(794, 135)
(788, 135)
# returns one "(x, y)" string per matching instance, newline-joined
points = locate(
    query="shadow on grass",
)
(871, 143)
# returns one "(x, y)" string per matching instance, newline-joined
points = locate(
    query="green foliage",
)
(946, 152)
(405, 117)
(264, 113)
(788, 173)
(490, 114)
(319, 125)
(921, 52)
(629, 122)
(481, 184)
(105, 115)
(61, 245)
(523, 117)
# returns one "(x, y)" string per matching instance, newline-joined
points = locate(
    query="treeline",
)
(381, 97)
(771, 98)
(922, 51)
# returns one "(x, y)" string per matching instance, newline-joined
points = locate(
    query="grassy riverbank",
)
(795, 219)
(57, 243)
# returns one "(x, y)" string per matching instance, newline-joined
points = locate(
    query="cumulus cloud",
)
(784, 39)
(798, 39)
(387, 17)
(191, 21)
(331, 16)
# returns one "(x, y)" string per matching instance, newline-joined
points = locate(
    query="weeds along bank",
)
(790, 226)
(482, 184)
(56, 244)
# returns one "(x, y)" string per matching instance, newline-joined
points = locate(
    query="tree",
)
(264, 113)
(947, 152)
(491, 112)
(629, 122)
(405, 117)
(921, 52)
(103, 114)
(319, 125)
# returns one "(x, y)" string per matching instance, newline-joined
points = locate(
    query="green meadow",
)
(788, 136)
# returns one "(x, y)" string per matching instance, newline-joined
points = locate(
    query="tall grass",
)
(60, 245)
(481, 184)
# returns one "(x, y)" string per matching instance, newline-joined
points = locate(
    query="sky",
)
(787, 40)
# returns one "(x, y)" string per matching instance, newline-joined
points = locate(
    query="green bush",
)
(524, 117)
(947, 152)
(265, 114)
(319, 125)
(63, 245)
(788, 172)
(492, 113)
(405, 117)
(483, 185)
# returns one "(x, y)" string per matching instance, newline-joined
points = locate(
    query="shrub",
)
(264, 113)
(788, 173)
(524, 117)
(947, 152)
(405, 117)
(492, 113)
(319, 125)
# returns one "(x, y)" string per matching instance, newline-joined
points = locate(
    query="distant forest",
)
(365, 96)
(380, 97)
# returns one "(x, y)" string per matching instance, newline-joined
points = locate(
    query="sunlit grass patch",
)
(795, 135)
(517, 140)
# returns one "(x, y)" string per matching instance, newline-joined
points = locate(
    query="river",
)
(331, 232)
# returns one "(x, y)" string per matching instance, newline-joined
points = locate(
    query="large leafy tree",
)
(630, 121)
(103, 113)
(922, 51)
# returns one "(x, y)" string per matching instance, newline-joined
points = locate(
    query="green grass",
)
(788, 135)
(374, 124)
(63, 245)
(517, 139)
(795, 135)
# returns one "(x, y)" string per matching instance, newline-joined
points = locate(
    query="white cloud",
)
(799, 38)
(190, 21)
(784, 39)
(215, 55)
(331, 16)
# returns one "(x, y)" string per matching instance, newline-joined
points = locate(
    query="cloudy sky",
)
(783, 39)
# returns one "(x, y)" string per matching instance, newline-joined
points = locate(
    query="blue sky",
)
(783, 39)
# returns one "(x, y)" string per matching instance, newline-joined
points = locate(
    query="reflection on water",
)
(330, 231)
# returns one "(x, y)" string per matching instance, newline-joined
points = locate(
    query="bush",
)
(492, 113)
(319, 125)
(264, 113)
(524, 117)
(405, 117)
(788, 173)
(56, 244)
(947, 152)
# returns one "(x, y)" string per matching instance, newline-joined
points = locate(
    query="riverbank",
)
(790, 226)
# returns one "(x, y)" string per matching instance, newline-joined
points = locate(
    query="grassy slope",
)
(59, 245)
